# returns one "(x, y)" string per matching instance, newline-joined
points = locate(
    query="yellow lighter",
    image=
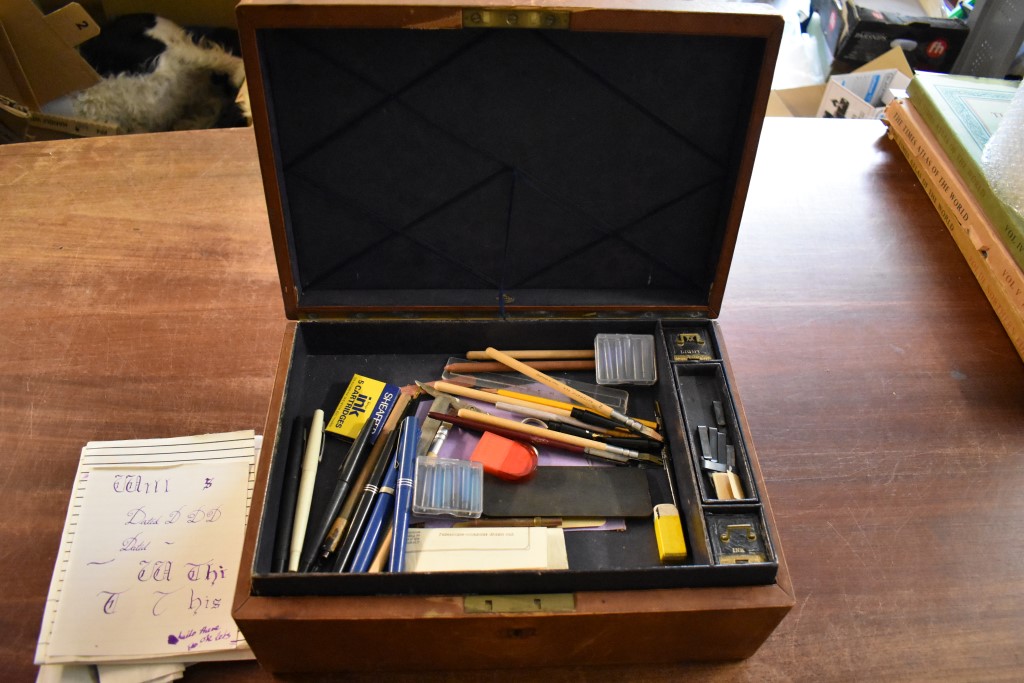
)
(668, 530)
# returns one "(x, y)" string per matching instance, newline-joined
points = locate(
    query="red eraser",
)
(505, 458)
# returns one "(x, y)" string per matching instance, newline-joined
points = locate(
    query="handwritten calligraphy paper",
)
(150, 553)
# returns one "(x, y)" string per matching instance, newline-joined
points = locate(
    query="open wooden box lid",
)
(416, 164)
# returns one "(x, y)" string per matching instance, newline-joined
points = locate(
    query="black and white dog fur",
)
(157, 76)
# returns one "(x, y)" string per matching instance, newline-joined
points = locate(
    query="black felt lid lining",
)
(478, 167)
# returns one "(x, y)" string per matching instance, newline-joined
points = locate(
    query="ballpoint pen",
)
(357, 521)
(381, 514)
(354, 461)
(403, 493)
(381, 448)
(310, 463)
(289, 493)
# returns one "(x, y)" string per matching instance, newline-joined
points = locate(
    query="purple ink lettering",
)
(199, 602)
(159, 570)
(110, 602)
(134, 544)
(174, 516)
(138, 516)
(157, 609)
(134, 483)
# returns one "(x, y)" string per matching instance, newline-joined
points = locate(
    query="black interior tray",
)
(699, 385)
(326, 355)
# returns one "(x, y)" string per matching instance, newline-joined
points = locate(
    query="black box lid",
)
(416, 164)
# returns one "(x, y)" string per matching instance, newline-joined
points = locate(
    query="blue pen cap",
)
(407, 441)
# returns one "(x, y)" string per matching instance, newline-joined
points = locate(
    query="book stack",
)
(942, 127)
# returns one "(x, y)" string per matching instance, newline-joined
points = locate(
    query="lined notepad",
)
(150, 550)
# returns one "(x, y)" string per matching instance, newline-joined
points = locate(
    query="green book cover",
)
(963, 112)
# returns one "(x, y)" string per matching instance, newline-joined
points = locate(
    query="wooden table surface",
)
(139, 298)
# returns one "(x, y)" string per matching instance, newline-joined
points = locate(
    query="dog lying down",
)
(156, 77)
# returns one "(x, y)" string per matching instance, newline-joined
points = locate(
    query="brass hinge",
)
(548, 602)
(514, 18)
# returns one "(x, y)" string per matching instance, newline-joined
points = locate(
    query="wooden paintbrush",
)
(548, 354)
(601, 448)
(578, 396)
(494, 366)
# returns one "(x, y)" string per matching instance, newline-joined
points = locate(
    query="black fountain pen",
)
(354, 461)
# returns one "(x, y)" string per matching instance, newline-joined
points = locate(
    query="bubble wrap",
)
(1003, 156)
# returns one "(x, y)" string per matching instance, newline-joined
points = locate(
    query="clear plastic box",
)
(445, 486)
(625, 359)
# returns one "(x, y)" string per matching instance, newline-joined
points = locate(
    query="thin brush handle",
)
(495, 366)
(512, 425)
(487, 397)
(548, 354)
(574, 394)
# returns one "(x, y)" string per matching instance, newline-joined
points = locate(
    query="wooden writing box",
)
(443, 178)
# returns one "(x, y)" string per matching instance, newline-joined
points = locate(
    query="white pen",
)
(310, 462)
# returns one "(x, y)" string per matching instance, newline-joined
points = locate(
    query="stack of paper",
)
(485, 549)
(149, 557)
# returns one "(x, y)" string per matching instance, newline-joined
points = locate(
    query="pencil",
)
(494, 366)
(495, 421)
(533, 439)
(354, 525)
(540, 354)
(382, 553)
(574, 394)
(383, 504)
(554, 403)
(487, 397)
(526, 401)
(548, 416)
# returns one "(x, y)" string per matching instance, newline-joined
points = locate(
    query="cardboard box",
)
(468, 184)
(861, 95)
(38, 64)
(18, 123)
(38, 60)
(813, 100)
